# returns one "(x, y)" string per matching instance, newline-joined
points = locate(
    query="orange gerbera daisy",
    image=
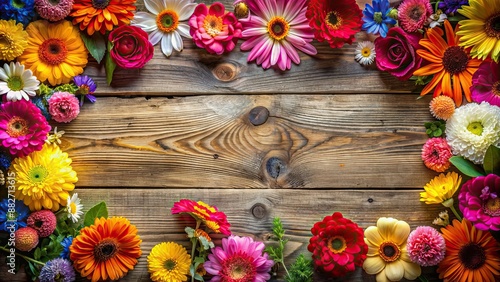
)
(451, 65)
(102, 15)
(108, 249)
(471, 254)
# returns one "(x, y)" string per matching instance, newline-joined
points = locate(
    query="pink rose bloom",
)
(63, 106)
(214, 29)
(131, 47)
(396, 53)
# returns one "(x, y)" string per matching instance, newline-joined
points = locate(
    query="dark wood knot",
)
(275, 167)
(258, 115)
(259, 211)
(225, 72)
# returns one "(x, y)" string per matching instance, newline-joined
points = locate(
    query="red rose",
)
(396, 53)
(131, 47)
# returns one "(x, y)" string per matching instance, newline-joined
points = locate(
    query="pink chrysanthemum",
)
(63, 106)
(486, 84)
(274, 30)
(412, 14)
(210, 215)
(479, 201)
(239, 259)
(26, 239)
(23, 128)
(436, 154)
(214, 29)
(426, 246)
(43, 221)
(53, 10)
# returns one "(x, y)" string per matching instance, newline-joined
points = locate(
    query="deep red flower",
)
(334, 21)
(337, 245)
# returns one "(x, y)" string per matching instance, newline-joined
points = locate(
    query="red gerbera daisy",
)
(334, 21)
(210, 215)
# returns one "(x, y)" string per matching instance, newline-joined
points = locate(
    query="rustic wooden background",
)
(339, 137)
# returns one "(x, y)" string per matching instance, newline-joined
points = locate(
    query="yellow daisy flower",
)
(440, 189)
(169, 262)
(13, 40)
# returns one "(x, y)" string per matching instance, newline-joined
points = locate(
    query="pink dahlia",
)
(486, 84)
(239, 259)
(63, 106)
(413, 14)
(210, 215)
(275, 30)
(23, 128)
(426, 246)
(43, 221)
(214, 29)
(436, 154)
(53, 10)
(479, 201)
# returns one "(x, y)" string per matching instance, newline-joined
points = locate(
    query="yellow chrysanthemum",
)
(440, 189)
(169, 262)
(44, 178)
(481, 30)
(13, 40)
(55, 51)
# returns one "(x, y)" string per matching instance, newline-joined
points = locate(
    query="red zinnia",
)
(334, 21)
(210, 215)
(337, 245)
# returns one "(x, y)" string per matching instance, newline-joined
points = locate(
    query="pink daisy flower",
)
(239, 259)
(23, 128)
(426, 246)
(413, 14)
(53, 10)
(210, 215)
(274, 30)
(63, 106)
(436, 154)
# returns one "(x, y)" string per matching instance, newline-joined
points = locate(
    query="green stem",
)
(24, 257)
(194, 243)
(455, 213)
(423, 279)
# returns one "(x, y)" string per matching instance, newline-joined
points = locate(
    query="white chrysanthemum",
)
(472, 129)
(17, 82)
(365, 53)
(74, 208)
(167, 22)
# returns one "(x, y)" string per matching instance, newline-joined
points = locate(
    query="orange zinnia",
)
(471, 254)
(451, 65)
(102, 15)
(108, 249)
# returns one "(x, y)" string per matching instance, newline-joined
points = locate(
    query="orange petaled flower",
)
(102, 15)
(210, 215)
(106, 250)
(451, 65)
(471, 254)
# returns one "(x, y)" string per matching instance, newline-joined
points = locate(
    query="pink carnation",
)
(43, 221)
(63, 106)
(436, 154)
(412, 14)
(23, 128)
(53, 10)
(214, 29)
(426, 246)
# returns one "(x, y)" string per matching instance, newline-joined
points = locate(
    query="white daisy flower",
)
(74, 208)
(17, 83)
(436, 19)
(365, 53)
(168, 21)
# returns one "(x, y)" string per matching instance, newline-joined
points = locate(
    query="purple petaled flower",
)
(451, 6)
(86, 87)
(480, 203)
(426, 246)
(486, 84)
(60, 269)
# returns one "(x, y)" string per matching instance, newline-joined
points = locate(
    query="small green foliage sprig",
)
(276, 253)
(435, 128)
(301, 270)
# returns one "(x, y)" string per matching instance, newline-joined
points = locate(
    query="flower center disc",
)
(278, 28)
(105, 250)
(389, 251)
(496, 88)
(492, 26)
(333, 20)
(366, 52)
(337, 244)
(238, 268)
(472, 256)
(475, 128)
(17, 127)
(213, 25)
(167, 20)
(416, 13)
(15, 83)
(170, 264)
(100, 4)
(37, 174)
(492, 207)
(52, 51)
(455, 60)
(18, 4)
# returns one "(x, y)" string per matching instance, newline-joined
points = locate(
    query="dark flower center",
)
(472, 256)
(337, 244)
(170, 264)
(100, 4)
(38, 223)
(455, 60)
(278, 28)
(416, 13)
(52, 51)
(105, 250)
(492, 207)
(333, 20)
(238, 268)
(54, 2)
(59, 277)
(18, 4)
(17, 127)
(496, 88)
(492, 26)
(389, 251)
(167, 21)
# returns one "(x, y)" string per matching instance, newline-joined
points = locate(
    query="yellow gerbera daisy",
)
(44, 178)
(55, 51)
(440, 189)
(169, 262)
(13, 40)
(481, 30)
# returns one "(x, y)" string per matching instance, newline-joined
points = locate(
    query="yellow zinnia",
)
(55, 51)
(169, 262)
(440, 189)
(44, 178)
(13, 40)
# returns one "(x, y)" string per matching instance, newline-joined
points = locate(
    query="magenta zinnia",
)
(209, 215)
(274, 30)
(240, 259)
(337, 245)
(486, 84)
(426, 246)
(23, 128)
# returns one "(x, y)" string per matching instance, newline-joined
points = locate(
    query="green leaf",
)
(97, 211)
(491, 162)
(190, 232)
(466, 167)
(438, 132)
(95, 44)
(37, 254)
(109, 65)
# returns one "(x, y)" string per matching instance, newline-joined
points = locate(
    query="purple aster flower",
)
(86, 87)
(60, 268)
(451, 6)
(486, 84)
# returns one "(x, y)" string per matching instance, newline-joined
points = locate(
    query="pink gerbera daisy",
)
(486, 84)
(239, 259)
(274, 30)
(436, 154)
(209, 215)
(23, 128)
(412, 14)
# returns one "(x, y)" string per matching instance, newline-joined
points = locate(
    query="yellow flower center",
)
(492, 207)
(389, 251)
(492, 26)
(105, 250)
(241, 10)
(53, 51)
(170, 264)
(333, 20)
(167, 20)
(15, 83)
(239, 267)
(17, 127)
(37, 174)
(278, 28)
(475, 128)
(455, 60)
(72, 206)
(366, 52)
(213, 25)
(5, 40)
(337, 244)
